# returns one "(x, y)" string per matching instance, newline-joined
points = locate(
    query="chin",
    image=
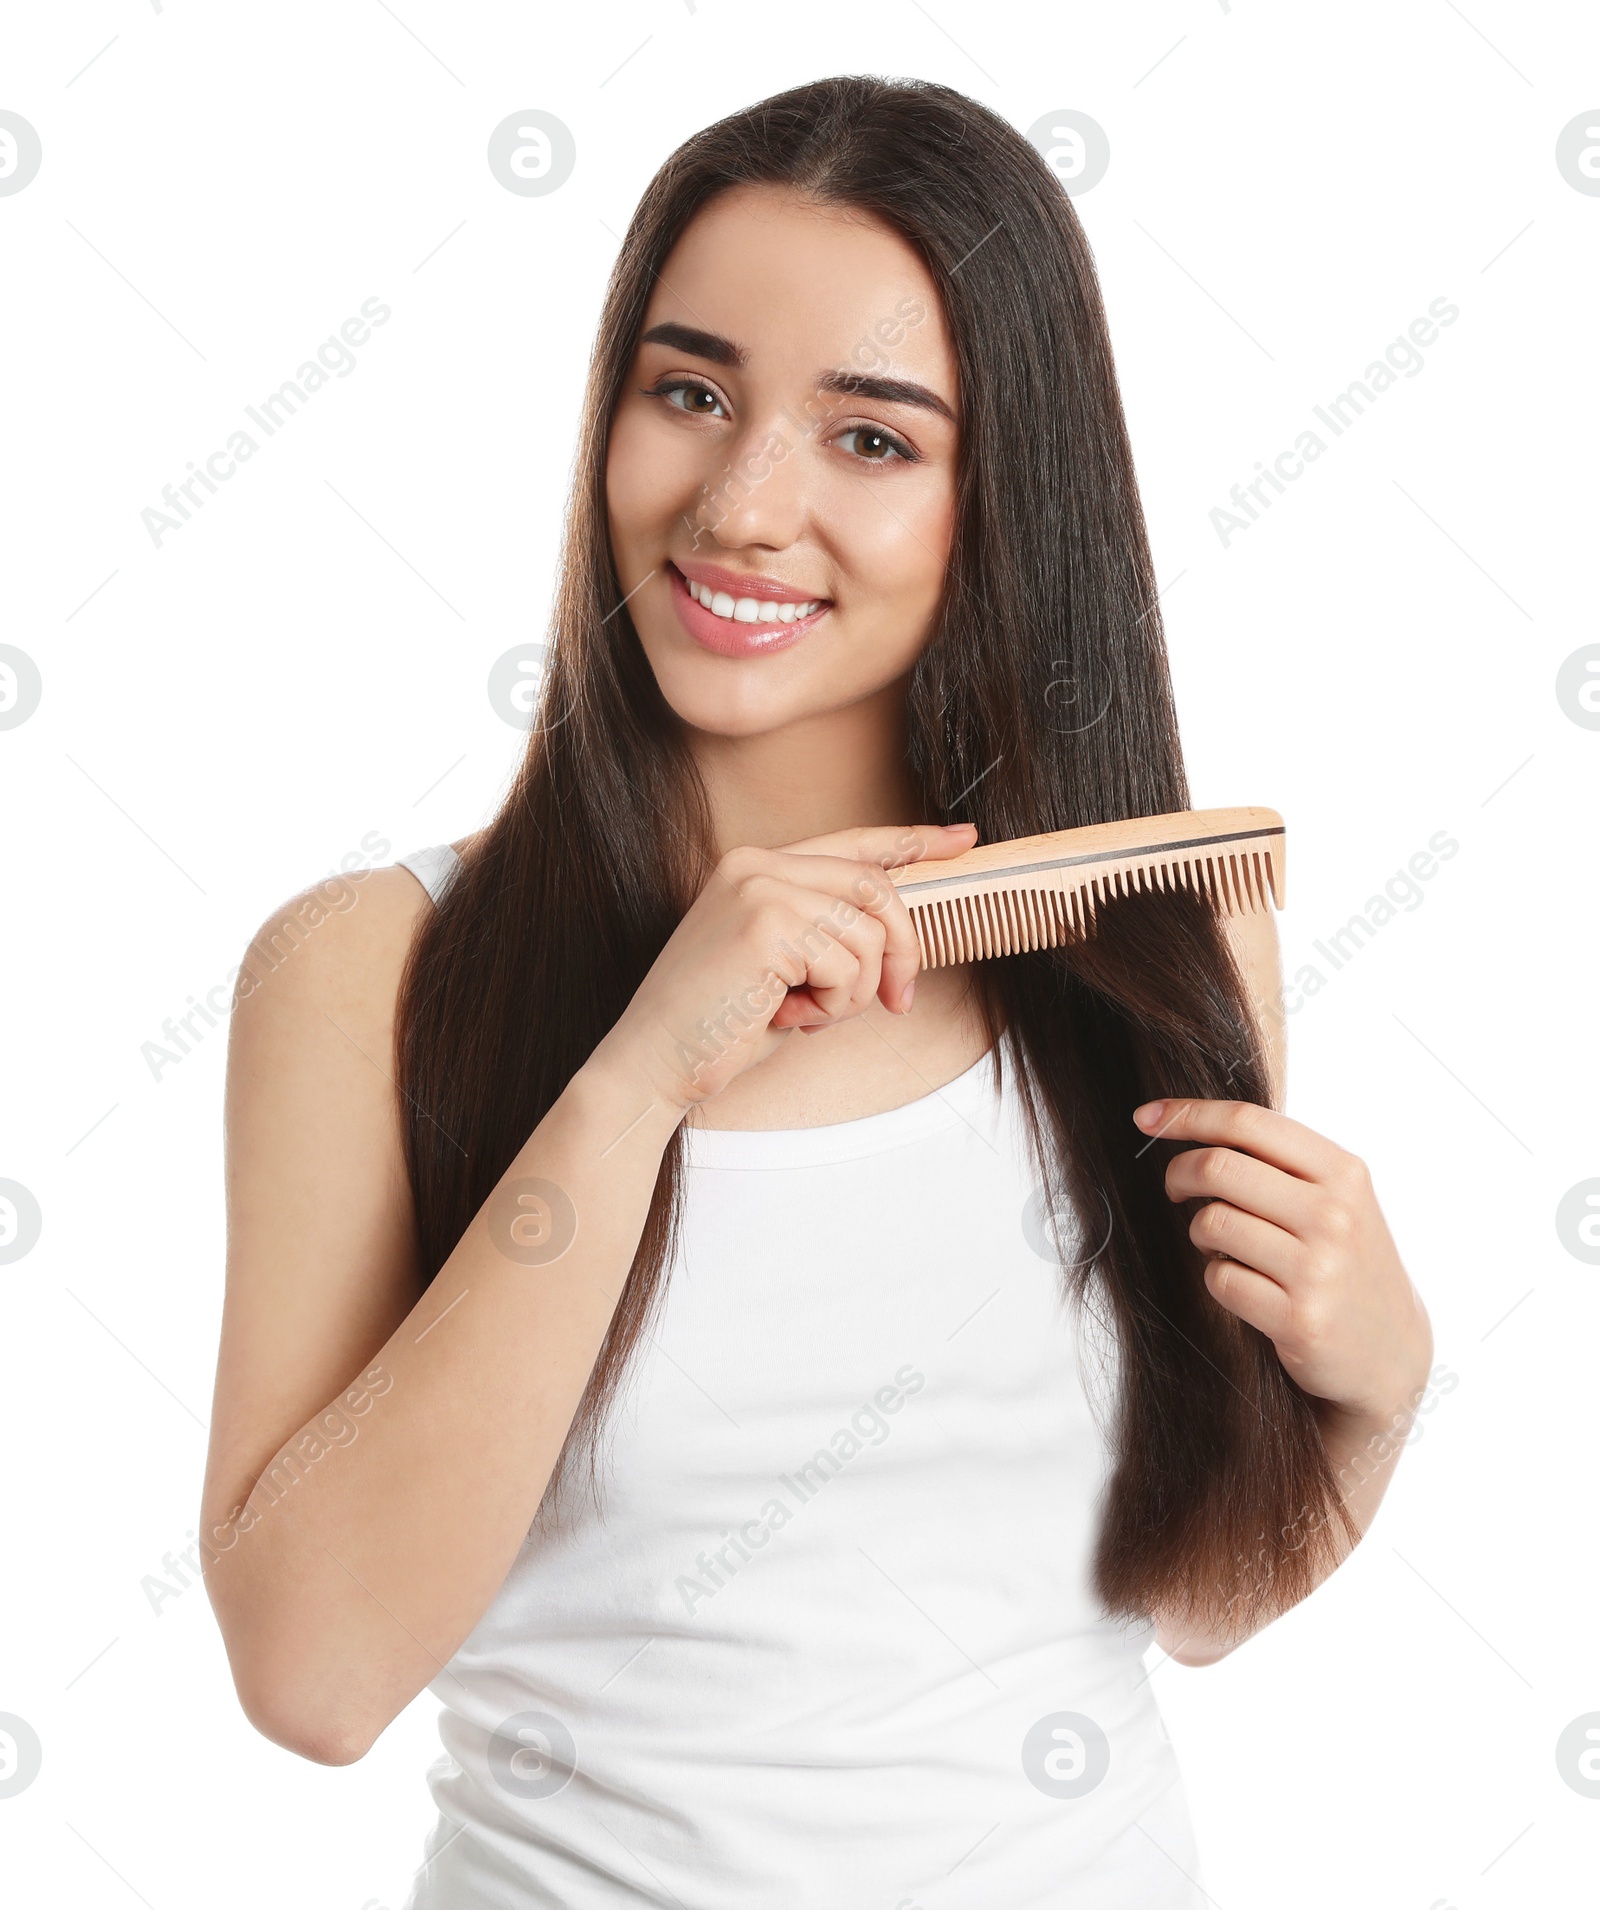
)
(721, 697)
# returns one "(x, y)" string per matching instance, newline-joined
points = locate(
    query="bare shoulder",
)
(339, 944)
(311, 1044)
(346, 936)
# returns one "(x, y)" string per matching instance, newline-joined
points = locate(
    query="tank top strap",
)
(434, 868)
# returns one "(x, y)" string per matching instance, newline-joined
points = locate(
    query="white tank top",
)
(830, 1639)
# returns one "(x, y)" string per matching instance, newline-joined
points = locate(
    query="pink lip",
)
(744, 583)
(730, 639)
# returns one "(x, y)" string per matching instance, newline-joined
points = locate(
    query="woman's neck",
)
(828, 772)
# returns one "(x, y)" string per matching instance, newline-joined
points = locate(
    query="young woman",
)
(773, 1397)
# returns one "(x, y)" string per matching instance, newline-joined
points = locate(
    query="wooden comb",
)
(1042, 891)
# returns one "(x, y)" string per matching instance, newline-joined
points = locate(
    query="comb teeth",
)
(1044, 891)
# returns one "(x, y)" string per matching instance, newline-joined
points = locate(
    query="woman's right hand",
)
(778, 939)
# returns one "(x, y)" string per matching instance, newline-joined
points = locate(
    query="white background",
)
(226, 717)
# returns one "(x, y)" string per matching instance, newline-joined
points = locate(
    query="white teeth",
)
(750, 609)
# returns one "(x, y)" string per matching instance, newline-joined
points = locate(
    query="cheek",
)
(649, 475)
(897, 549)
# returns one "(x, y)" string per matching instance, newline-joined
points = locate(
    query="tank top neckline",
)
(966, 1099)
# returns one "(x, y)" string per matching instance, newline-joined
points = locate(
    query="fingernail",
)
(905, 999)
(1150, 1114)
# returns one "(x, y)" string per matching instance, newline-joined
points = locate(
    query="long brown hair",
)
(1042, 701)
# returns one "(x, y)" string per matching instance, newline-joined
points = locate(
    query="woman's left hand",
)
(1301, 1251)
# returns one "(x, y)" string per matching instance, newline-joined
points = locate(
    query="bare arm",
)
(378, 1453)
(357, 1523)
(1303, 1253)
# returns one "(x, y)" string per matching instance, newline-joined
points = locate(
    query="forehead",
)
(805, 287)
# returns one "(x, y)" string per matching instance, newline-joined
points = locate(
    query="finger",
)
(833, 966)
(1269, 1135)
(892, 845)
(1259, 1302)
(867, 939)
(840, 945)
(1223, 1173)
(799, 1009)
(857, 887)
(1257, 1244)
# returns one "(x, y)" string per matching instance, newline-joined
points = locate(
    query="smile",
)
(742, 626)
(750, 609)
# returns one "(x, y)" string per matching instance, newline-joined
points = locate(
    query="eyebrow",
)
(723, 351)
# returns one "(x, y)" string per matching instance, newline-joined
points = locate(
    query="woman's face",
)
(748, 466)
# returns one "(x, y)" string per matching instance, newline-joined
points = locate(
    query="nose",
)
(759, 496)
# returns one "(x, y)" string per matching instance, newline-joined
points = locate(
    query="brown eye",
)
(703, 402)
(878, 446)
